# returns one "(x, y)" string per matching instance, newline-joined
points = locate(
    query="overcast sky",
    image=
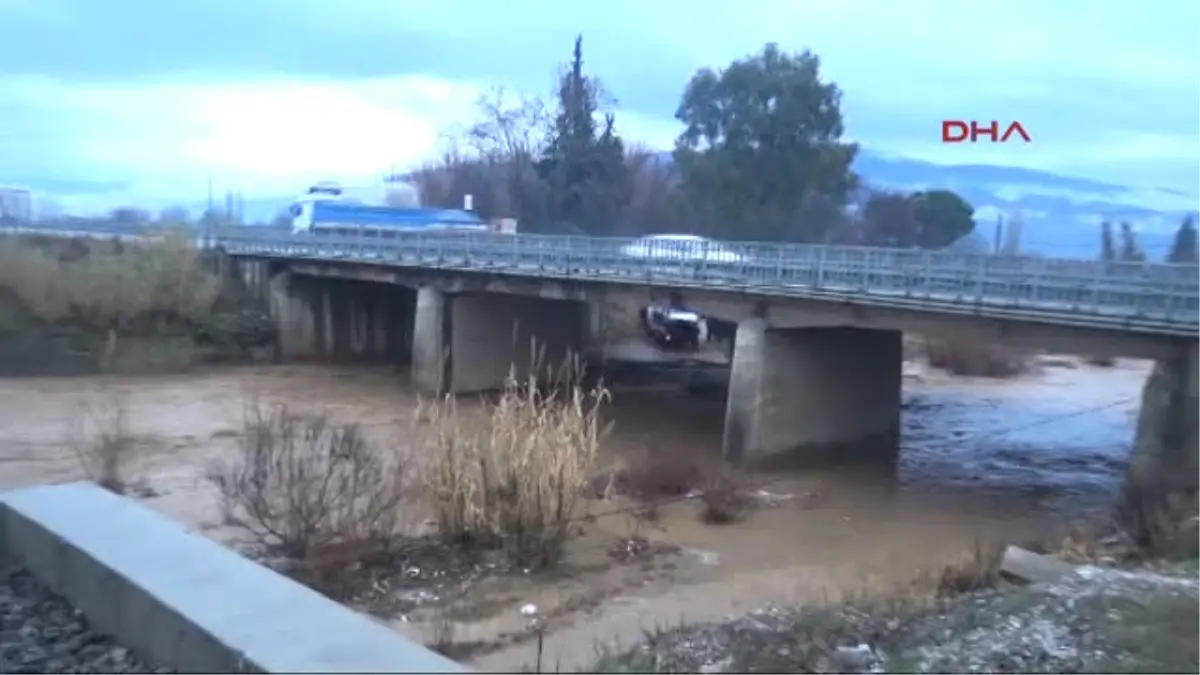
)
(143, 99)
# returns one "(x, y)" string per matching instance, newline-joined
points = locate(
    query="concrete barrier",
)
(184, 601)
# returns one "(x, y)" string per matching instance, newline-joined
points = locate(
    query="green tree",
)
(1131, 249)
(761, 155)
(1183, 248)
(1108, 245)
(584, 161)
(932, 219)
(889, 219)
(942, 218)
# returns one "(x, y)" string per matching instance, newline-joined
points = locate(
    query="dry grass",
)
(964, 356)
(102, 440)
(723, 498)
(515, 478)
(661, 473)
(108, 285)
(314, 491)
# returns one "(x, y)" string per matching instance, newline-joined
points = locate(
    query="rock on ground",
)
(41, 633)
(1095, 620)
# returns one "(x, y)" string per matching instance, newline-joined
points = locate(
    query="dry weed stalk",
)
(101, 439)
(515, 479)
(312, 489)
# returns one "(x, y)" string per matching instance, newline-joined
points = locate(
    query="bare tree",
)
(494, 160)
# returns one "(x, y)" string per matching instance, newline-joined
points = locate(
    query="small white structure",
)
(16, 204)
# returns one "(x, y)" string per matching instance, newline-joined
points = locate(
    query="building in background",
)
(16, 204)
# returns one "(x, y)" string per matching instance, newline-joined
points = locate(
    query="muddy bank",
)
(1095, 621)
(979, 461)
(78, 307)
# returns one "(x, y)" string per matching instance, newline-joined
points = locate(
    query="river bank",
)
(983, 460)
(662, 530)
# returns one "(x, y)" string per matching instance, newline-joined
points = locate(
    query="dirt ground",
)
(1096, 621)
(810, 537)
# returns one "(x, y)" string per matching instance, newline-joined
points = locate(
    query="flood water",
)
(982, 460)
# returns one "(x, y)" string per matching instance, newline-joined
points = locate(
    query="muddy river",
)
(982, 460)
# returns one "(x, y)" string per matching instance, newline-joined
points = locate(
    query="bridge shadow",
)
(963, 438)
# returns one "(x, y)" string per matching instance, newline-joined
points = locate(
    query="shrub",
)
(963, 356)
(314, 490)
(102, 441)
(723, 499)
(112, 286)
(1161, 519)
(514, 477)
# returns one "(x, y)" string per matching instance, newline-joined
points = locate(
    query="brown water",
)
(982, 460)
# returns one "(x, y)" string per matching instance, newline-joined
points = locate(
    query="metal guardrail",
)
(1143, 297)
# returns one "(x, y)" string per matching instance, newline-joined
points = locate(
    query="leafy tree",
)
(761, 155)
(1131, 250)
(584, 162)
(1108, 245)
(1183, 248)
(932, 219)
(942, 218)
(889, 219)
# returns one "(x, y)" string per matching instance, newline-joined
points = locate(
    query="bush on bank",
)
(966, 356)
(82, 300)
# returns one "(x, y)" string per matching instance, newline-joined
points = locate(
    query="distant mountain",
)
(1060, 215)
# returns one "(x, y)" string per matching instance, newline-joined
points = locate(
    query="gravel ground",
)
(41, 633)
(1096, 621)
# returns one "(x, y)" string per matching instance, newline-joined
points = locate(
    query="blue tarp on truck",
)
(332, 214)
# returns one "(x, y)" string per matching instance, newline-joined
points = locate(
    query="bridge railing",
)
(1164, 295)
(1104, 291)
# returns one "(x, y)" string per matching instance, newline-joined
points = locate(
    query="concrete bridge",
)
(816, 363)
(816, 360)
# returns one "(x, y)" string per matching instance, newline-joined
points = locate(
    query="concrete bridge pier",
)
(341, 321)
(469, 342)
(1166, 452)
(811, 395)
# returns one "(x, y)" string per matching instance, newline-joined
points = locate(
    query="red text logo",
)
(964, 131)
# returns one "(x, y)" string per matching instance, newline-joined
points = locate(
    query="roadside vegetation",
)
(78, 305)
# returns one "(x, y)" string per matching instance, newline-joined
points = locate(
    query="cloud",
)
(140, 98)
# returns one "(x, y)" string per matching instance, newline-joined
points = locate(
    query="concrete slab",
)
(185, 601)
